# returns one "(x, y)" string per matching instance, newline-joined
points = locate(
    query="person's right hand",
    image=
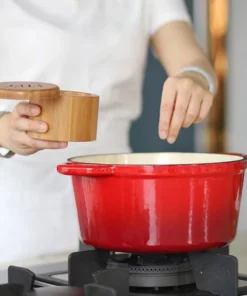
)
(13, 128)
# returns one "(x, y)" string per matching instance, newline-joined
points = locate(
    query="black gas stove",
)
(105, 273)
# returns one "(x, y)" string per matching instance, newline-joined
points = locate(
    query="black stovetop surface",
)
(93, 290)
(215, 274)
(17, 290)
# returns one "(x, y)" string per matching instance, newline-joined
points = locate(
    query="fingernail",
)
(163, 135)
(171, 140)
(43, 127)
(34, 110)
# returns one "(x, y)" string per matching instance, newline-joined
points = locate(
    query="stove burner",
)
(99, 273)
(93, 267)
(155, 271)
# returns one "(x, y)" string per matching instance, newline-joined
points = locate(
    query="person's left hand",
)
(184, 101)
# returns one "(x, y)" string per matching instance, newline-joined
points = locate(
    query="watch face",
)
(9, 154)
(57, 291)
(5, 153)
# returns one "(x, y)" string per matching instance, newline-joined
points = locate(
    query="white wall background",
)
(236, 113)
(236, 87)
(200, 20)
(236, 97)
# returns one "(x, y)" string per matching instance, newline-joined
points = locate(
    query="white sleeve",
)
(8, 105)
(161, 12)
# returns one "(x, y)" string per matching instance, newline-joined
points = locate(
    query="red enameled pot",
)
(157, 202)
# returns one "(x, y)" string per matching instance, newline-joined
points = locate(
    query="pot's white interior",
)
(157, 158)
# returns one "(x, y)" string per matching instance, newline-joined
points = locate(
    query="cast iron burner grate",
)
(213, 272)
(154, 271)
(108, 273)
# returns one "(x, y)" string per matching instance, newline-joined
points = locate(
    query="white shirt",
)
(97, 46)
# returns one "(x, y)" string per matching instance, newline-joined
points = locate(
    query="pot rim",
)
(242, 159)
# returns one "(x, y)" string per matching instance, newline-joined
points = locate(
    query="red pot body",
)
(157, 209)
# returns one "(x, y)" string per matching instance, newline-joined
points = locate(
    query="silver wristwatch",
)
(5, 153)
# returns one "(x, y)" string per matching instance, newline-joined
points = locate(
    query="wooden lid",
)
(28, 90)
